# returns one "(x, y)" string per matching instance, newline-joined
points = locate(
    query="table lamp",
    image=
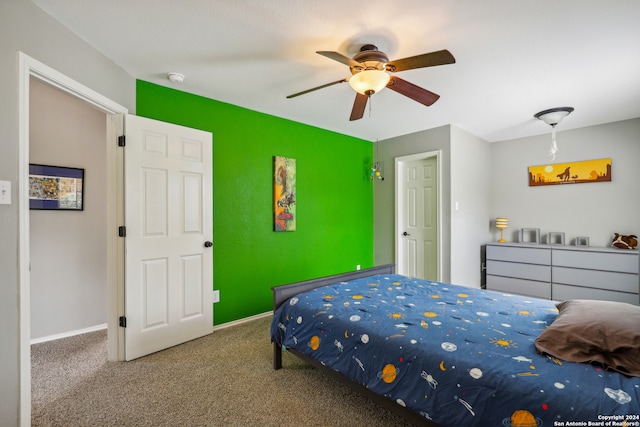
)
(501, 224)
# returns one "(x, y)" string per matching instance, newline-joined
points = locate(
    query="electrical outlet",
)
(216, 296)
(358, 267)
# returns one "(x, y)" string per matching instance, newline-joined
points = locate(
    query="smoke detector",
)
(175, 77)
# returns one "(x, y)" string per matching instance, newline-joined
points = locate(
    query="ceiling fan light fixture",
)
(553, 116)
(368, 82)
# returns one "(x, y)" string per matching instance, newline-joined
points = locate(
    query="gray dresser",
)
(564, 272)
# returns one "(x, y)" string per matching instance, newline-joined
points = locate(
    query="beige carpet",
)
(224, 379)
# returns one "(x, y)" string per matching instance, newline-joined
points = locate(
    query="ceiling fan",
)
(371, 68)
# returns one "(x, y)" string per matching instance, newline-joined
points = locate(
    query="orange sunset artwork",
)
(571, 173)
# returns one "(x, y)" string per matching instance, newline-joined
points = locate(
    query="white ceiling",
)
(514, 57)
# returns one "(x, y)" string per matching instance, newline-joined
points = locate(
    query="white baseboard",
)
(104, 326)
(69, 334)
(243, 320)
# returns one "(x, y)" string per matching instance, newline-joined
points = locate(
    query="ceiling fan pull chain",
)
(370, 106)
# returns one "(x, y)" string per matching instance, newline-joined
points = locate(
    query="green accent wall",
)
(334, 198)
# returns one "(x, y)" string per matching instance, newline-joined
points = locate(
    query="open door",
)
(169, 233)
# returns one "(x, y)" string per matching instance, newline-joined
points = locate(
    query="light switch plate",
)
(5, 192)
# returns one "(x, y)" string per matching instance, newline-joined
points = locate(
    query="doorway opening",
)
(30, 68)
(67, 246)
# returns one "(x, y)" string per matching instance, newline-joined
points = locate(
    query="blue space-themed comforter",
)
(457, 356)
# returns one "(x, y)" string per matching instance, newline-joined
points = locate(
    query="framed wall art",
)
(284, 194)
(56, 188)
(581, 172)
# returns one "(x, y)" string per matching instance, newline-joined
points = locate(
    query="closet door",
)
(418, 225)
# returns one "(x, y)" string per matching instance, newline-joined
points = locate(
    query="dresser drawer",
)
(614, 281)
(518, 254)
(620, 261)
(519, 286)
(565, 292)
(541, 273)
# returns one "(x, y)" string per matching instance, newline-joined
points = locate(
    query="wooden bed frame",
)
(284, 292)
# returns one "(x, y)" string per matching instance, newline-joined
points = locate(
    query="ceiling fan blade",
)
(358, 107)
(336, 56)
(318, 87)
(412, 91)
(440, 57)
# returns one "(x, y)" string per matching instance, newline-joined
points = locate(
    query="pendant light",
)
(552, 117)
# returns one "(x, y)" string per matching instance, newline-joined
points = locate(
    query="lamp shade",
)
(368, 82)
(553, 116)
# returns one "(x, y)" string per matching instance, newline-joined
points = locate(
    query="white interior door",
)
(169, 227)
(418, 222)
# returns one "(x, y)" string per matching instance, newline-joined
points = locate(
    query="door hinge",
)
(121, 141)
(122, 231)
(122, 321)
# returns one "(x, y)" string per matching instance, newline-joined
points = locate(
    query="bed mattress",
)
(456, 356)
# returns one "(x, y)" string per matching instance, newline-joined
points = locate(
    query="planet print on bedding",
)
(465, 350)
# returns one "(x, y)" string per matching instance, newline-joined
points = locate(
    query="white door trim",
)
(399, 202)
(29, 67)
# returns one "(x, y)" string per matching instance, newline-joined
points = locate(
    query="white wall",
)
(470, 199)
(594, 210)
(68, 248)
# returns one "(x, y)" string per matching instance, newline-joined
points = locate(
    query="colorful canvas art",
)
(571, 173)
(284, 193)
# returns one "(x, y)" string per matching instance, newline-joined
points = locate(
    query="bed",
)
(447, 355)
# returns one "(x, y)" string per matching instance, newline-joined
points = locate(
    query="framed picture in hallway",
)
(56, 188)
